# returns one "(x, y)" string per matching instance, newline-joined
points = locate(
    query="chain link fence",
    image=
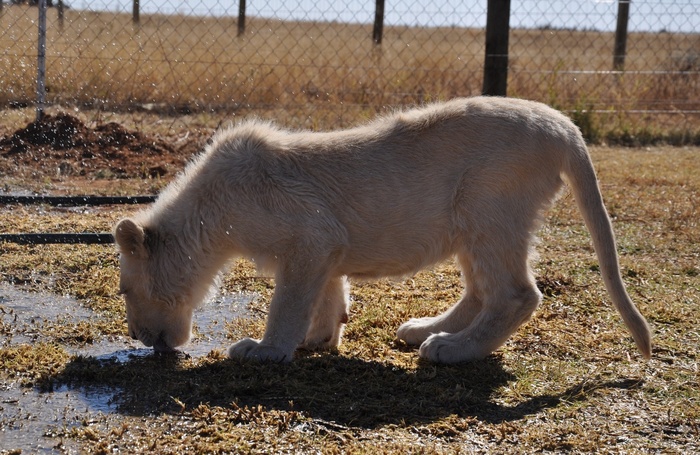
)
(304, 56)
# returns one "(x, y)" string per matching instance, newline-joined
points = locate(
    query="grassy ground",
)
(569, 380)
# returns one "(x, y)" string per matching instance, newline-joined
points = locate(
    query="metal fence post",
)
(496, 59)
(623, 13)
(41, 62)
(241, 17)
(135, 13)
(378, 22)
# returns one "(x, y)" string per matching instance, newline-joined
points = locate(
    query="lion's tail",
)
(581, 175)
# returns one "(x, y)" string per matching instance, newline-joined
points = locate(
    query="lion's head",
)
(155, 284)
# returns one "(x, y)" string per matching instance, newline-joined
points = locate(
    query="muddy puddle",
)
(38, 421)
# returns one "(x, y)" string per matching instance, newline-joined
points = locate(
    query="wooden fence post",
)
(623, 14)
(61, 14)
(496, 59)
(241, 17)
(378, 22)
(135, 13)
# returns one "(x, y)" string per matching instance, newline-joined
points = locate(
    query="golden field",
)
(288, 69)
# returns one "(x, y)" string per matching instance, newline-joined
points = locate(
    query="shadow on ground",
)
(345, 390)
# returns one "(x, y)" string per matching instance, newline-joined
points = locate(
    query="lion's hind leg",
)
(506, 286)
(415, 331)
(488, 331)
(329, 316)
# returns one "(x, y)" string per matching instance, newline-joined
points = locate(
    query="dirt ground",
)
(62, 145)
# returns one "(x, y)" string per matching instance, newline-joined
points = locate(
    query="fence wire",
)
(301, 55)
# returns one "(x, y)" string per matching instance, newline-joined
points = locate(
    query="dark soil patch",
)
(553, 285)
(62, 145)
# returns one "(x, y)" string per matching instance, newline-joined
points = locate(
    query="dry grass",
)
(186, 63)
(569, 381)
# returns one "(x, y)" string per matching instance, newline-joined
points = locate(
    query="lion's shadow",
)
(344, 390)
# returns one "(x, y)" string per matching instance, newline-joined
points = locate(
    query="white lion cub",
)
(469, 178)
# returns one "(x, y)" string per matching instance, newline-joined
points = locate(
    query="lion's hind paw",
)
(416, 331)
(449, 348)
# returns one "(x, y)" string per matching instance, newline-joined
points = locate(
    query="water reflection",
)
(37, 421)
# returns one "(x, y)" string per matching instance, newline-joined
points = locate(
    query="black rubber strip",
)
(69, 238)
(68, 201)
(72, 201)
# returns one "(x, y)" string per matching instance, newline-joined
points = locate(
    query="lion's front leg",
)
(330, 314)
(298, 286)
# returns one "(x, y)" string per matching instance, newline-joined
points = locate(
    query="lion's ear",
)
(131, 238)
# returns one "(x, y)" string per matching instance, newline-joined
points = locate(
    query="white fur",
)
(468, 178)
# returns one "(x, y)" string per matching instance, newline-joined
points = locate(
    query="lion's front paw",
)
(415, 331)
(248, 348)
(320, 344)
(448, 348)
(323, 340)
